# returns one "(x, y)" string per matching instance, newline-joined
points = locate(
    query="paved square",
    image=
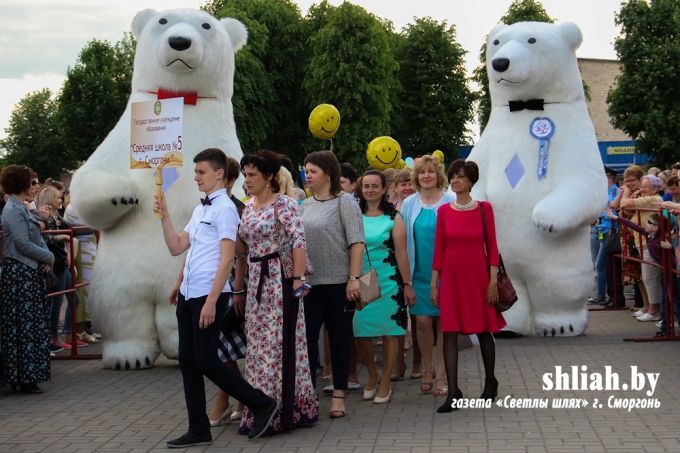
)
(88, 409)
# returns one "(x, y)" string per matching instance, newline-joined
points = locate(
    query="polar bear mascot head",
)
(186, 50)
(541, 169)
(534, 60)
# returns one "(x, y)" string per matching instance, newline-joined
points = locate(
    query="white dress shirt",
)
(208, 226)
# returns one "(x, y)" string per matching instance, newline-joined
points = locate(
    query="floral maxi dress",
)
(276, 362)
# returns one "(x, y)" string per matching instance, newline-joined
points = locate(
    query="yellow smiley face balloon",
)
(324, 121)
(383, 153)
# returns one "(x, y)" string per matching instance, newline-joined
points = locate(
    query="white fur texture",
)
(542, 226)
(134, 272)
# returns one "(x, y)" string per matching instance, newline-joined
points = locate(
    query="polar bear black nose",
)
(179, 43)
(500, 64)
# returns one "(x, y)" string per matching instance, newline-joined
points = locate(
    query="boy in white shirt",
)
(210, 238)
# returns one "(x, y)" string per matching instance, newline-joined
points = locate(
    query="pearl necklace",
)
(465, 206)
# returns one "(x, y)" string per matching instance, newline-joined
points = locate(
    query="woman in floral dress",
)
(271, 231)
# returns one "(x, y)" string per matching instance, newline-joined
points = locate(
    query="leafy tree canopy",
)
(281, 55)
(645, 102)
(94, 95)
(32, 137)
(353, 68)
(435, 102)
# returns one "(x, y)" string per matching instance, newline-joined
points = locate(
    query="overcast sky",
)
(39, 39)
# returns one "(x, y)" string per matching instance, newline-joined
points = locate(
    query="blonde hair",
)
(431, 162)
(402, 175)
(285, 180)
(47, 196)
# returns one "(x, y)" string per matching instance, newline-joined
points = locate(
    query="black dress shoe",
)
(448, 404)
(189, 440)
(262, 419)
(490, 390)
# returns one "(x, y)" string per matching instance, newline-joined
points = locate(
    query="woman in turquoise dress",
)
(386, 317)
(419, 212)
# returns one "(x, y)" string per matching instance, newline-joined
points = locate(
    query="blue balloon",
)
(409, 162)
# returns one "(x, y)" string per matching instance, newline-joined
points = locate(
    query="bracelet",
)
(408, 283)
(239, 257)
(238, 293)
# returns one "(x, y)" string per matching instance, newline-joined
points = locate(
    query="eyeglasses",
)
(649, 222)
(34, 183)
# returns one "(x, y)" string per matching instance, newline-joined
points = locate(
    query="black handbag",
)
(612, 244)
(51, 280)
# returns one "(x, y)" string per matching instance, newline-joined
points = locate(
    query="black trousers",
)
(326, 304)
(613, 272)
(198, 358)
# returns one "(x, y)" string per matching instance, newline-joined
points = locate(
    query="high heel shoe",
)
(337, 413)
(427, 384)
(224, 418)
(370, 394)
(448, 404)
(382, 399)
(490, 389)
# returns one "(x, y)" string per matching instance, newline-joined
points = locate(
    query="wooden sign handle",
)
(159, 189)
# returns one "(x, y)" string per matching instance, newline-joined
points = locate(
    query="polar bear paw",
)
(129, 354)
(125, 201)
(548, 221)
(564, 324)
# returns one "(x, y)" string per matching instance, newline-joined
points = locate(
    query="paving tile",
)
(88, 409)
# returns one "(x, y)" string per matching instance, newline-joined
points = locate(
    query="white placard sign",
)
(156, 133)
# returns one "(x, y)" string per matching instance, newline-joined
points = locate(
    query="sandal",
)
(426, 386)
(337, 413)
(441, 391)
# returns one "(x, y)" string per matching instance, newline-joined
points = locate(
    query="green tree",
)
(519, 11)
(645, 102)
(281, 51)
(95, 94)
(32, 137)
(352, 67)
(253, 87)
(435, 103)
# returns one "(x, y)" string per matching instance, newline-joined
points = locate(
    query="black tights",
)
(487, 345)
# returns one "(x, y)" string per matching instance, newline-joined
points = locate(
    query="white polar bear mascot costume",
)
(541, 169)
(179, 52)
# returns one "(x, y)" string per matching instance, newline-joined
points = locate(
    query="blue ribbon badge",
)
(542, 129)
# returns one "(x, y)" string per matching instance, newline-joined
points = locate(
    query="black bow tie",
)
(531, 104)
(207, 201)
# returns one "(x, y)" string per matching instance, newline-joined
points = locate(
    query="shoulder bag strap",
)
(481, 208)
(488, 259)
(344, 230)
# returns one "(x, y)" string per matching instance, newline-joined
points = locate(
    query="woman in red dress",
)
(464, 273)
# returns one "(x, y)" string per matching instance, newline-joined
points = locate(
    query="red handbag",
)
(507, 295)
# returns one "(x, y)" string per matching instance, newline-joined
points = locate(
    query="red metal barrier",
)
(70, 293)
(668, 270)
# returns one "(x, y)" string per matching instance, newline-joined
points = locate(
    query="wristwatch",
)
(301, 278)
(353, 278)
